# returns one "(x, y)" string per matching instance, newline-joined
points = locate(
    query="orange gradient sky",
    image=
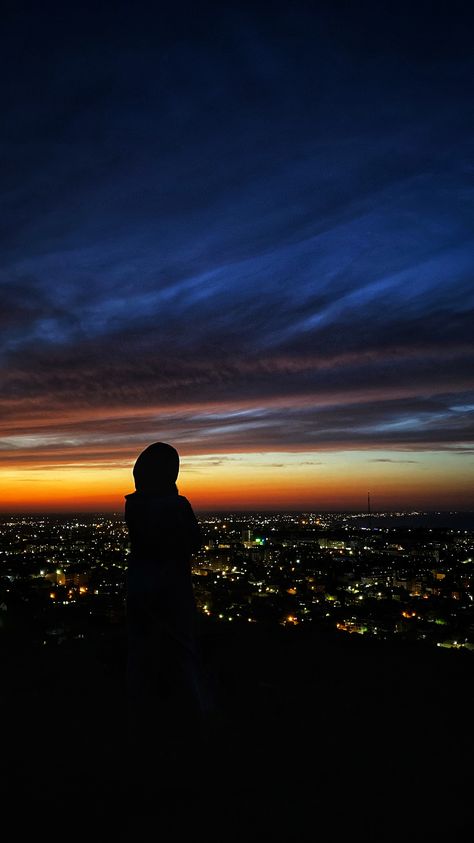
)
(258, 250)
(276, 480)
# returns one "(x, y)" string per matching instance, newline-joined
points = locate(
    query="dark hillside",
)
(313, 738)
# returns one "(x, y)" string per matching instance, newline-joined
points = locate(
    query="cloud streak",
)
(255, 240)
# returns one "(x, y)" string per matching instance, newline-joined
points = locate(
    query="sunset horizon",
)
(247, 235)
(329, 481)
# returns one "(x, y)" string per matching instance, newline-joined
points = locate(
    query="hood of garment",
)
(156, 470)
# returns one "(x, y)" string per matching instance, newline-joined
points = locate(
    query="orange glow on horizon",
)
(298, 481)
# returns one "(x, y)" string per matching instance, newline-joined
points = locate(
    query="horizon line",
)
(289, 510)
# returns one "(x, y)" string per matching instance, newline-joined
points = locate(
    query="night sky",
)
(244, 230)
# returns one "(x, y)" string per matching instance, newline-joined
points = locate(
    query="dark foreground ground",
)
(313, 738)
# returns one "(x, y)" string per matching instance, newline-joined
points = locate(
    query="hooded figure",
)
(163, 682)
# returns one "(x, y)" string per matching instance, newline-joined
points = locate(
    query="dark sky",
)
(236, 227)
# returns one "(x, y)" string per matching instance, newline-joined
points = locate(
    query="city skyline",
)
(388, 579)
(248, 236)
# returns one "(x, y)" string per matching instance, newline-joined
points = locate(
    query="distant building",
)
(331, 544)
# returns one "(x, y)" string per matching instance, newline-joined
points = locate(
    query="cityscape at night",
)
(334, 644)
(237, 421)
(64, 576)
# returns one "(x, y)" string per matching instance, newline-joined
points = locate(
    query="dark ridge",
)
(310, 737)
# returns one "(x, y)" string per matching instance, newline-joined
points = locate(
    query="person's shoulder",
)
(185, 505)
(130, 502)
(184, 502)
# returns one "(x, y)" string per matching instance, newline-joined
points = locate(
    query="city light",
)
(325, 570)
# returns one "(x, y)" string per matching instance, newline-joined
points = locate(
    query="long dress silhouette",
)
(163, 678)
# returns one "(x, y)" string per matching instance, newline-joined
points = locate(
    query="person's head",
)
(156, 468)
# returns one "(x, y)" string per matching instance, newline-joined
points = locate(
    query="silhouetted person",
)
(163, 678)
